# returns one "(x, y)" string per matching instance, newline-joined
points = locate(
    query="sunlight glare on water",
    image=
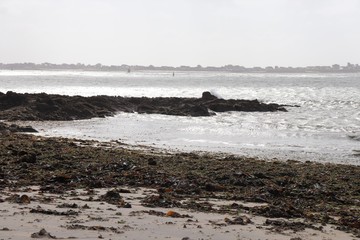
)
(325, 126)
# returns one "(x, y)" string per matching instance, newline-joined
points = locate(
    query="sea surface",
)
(325, 127)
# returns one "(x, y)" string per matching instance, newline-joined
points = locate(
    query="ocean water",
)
(325, 127)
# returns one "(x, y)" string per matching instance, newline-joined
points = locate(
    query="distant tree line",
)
(336, 68)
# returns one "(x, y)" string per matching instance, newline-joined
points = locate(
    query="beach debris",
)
(218, 223)
(240, 220)
(174, 214)
(68, 205)
(86, 207)
(277, 211)
(54, 212)
(42, 234)
(15, 198)
(162, 200)
(93, 228)
(320, 193)
(350, 221)
(113, 197)
(170, 213)
(283, 225)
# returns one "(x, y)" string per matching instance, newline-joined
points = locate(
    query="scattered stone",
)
(112, 197)
(86, 207)
(23, 199)
(42, 234)
(241, 220)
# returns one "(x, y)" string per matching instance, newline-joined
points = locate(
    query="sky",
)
(181, 32)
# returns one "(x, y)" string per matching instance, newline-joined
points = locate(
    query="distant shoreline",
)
(335, 68)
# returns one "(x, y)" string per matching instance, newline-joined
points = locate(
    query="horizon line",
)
(170, 66)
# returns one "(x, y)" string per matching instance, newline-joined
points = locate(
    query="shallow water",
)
(326, 126)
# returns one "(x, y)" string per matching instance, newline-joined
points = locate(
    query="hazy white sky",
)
(181, 32)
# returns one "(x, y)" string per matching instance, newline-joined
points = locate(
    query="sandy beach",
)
(81, 214)
(88, 189)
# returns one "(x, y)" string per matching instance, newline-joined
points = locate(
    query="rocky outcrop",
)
(16, 106)
(4, 127)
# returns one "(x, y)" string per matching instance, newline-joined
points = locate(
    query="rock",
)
(241, 220)
(28, 158)
(208, 96)
(24, 199)
(42, 234)
(221, 107)
(112, 197)
(172, 214)
(28, 129)
(198, 111)
(15, 128)
(14, 106)
(213, 187)
(11, 99)
(144, 109)
(152, 161)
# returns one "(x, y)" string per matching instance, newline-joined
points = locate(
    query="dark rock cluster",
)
(5, 127)
(16, 106)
